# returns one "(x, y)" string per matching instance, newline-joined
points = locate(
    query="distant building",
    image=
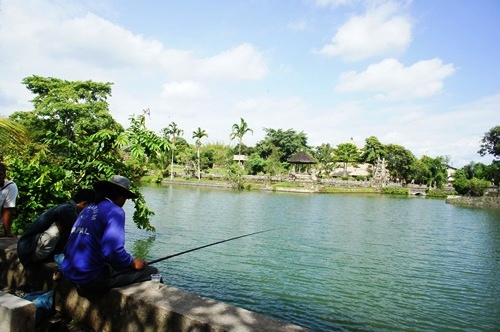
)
(451, 172)
(240, 157)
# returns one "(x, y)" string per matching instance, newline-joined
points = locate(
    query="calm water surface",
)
(336, 262)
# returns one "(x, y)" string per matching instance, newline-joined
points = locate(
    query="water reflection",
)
(142, 247)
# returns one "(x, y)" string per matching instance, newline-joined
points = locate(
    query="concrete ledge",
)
(137, 307)
(16, 314)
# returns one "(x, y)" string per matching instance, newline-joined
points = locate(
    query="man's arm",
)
(7, 220)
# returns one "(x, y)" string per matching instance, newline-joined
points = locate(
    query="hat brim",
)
(104, 185)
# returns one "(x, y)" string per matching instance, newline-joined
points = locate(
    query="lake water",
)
(335, 262)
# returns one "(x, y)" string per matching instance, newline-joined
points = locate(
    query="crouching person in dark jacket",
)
(49, 233)
(95, 256)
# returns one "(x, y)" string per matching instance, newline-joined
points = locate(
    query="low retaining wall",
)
(485, 201)
(136, 307)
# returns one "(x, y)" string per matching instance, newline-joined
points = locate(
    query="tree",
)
(399, 162)
(282, 143)
(256, 164)
(325, 156)
(419, 172)
(199, 134)
(68, 108)
(475, 170)
(346, 153)
(238, 132)
(372, 151)
(438, 173)
(492, 173)
(171, 133)
(75, 142)
(491, 143)
(219, 154)
(470, 187)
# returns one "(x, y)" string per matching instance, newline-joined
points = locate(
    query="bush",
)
(474, 187)
(439, 193)
(478, 187)
(396, 191)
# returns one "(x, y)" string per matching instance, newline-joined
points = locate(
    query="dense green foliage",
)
(469, 187)
(372, 151)
(490, 143)
(400, 163)
(74, 143)
(279, 145)
(346, 153)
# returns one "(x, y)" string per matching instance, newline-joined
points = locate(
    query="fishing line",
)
(207, 245)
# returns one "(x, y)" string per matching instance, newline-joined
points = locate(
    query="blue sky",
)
(423, 74)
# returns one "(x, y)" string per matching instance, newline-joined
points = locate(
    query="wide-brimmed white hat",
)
(117, 182)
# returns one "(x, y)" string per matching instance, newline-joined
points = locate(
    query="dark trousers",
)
(110, 278)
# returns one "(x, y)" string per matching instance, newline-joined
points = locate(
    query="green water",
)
(336, 262)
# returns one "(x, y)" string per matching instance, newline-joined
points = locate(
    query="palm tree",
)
(12, 135)
(172, 132)
(239, 131)
(199, 134)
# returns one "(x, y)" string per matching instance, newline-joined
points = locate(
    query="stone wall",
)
(485, 201)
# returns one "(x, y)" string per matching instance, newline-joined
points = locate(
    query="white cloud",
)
(393, 81)
(243, 62)
(184, 90)
(94, 40)
(379, 32)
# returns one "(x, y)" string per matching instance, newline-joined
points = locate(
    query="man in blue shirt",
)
(95, 256)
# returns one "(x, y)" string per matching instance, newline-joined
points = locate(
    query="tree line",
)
(70, 140)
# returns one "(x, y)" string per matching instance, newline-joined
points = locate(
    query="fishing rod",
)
(207, 245)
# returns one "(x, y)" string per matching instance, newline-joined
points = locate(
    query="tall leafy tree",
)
(372, 151)
(490, 143)
(75, 142)
(198, 135)
(346, 153)
(68, 108)
(419, 172)
(171, 133)
(325, 156)
(240, 130)
(283, 143)
(475, 170)
(399, 161)
(437, 170)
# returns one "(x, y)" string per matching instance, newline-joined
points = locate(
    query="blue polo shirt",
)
(97, 239)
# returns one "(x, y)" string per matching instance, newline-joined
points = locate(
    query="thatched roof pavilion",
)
(301, 158)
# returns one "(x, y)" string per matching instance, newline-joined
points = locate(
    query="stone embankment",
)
(483, 202)
(134, 308)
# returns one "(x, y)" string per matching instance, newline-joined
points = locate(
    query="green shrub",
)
(474, 187)
(396, 191)
(478, 187)
(439, 193)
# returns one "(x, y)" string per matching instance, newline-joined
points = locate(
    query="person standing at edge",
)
(95, 257)
(8, 195)
(50, 231)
